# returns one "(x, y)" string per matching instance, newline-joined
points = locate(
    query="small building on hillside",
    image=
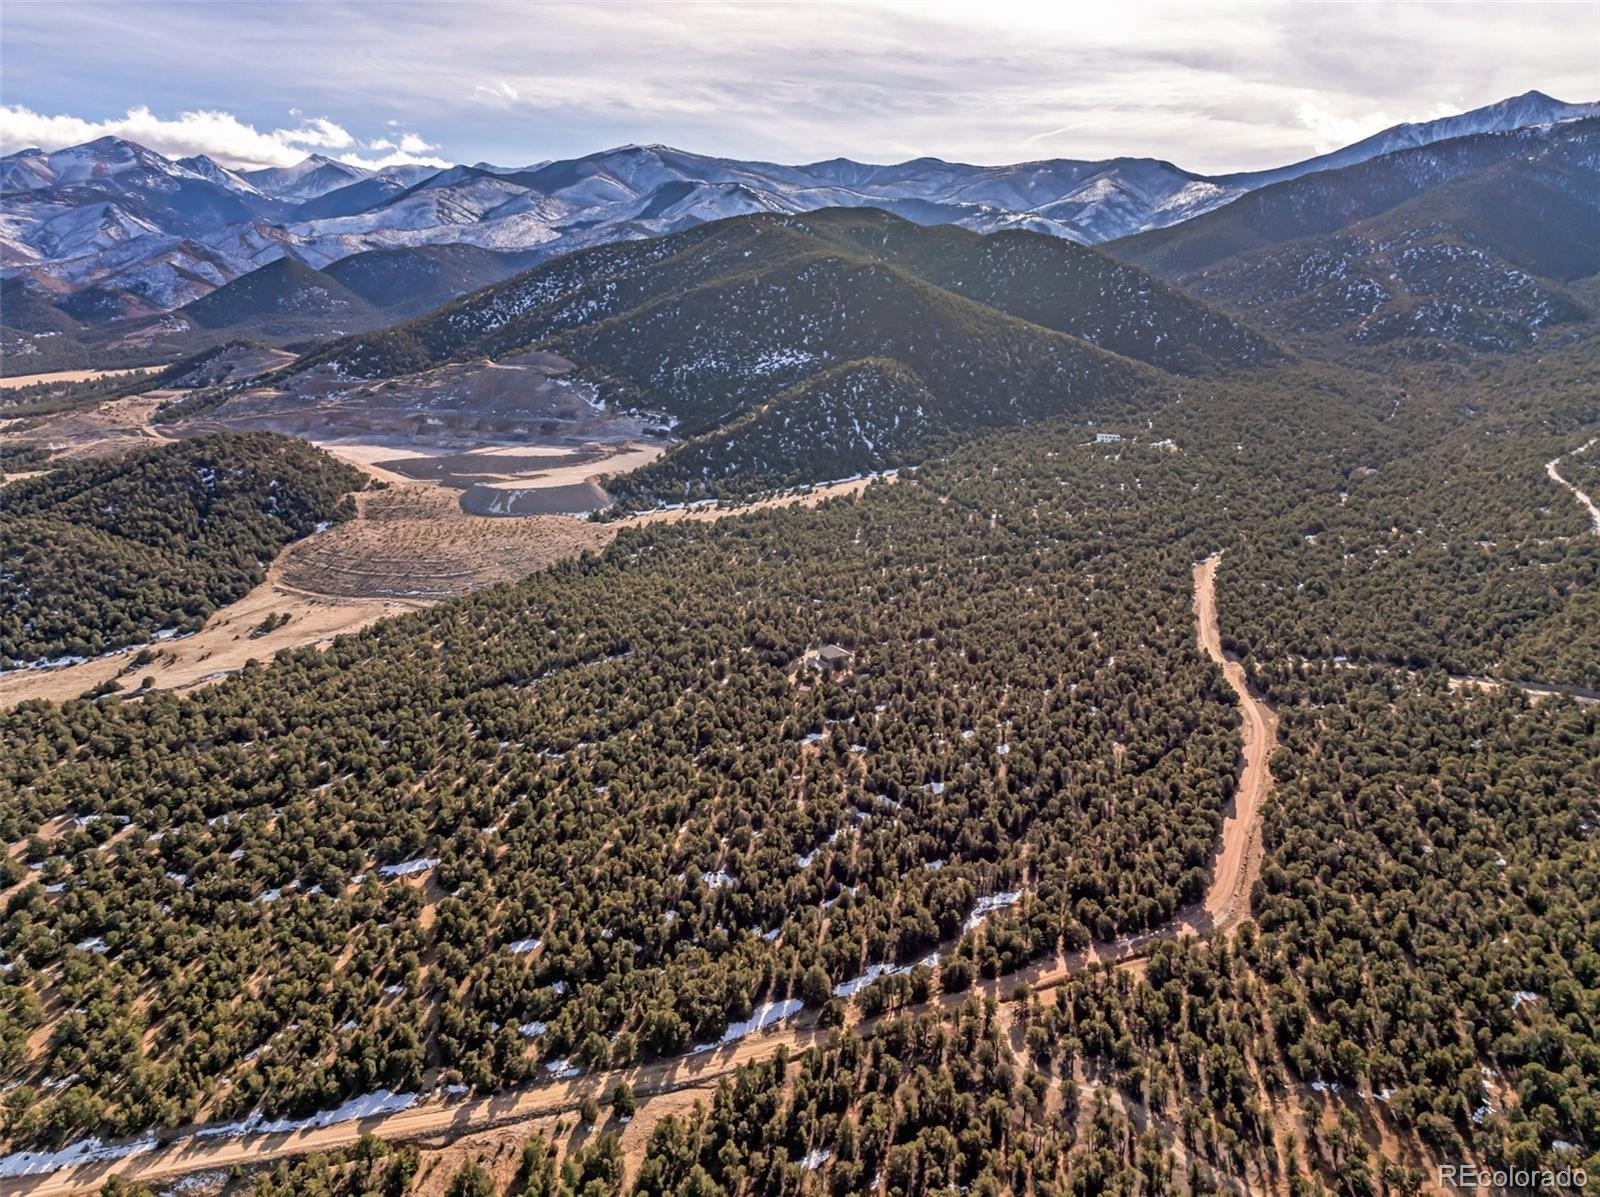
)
(830, 658)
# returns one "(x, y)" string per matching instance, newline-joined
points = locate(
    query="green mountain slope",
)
(1057, 284)
(750, 332)
(105, 553)
(284, 293)
(1462, 246)
(406, 282)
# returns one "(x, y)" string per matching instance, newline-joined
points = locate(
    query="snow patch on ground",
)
(987, 905)
(764, 1016)
(95, 1150)
(407, 867)
(848, 989)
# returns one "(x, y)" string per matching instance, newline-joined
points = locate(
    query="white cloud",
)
(321, 132)
(499, 90)
(220, 135)
(1251, 84)
(1331, 129)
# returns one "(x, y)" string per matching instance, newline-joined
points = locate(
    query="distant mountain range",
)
(1469, 242)
(142, 234)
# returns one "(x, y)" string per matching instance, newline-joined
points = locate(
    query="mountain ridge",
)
(1469, 243)
(140, 207)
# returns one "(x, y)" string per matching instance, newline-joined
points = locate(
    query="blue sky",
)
(1213, 87)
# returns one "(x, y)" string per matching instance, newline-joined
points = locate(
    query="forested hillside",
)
(1464, 245)
(104, 553)
(599, 816)
(800, 349)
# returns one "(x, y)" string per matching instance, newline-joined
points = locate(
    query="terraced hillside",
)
(744, 335)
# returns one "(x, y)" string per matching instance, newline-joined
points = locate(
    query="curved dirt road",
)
(1226, 903)
(1555, 476)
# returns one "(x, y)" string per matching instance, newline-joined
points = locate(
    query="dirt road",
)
(1238, 860)
(1555, 476)
(447, 1118)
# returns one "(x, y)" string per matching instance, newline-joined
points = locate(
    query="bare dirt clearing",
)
(410, 546)
(550, 486)
(28, 380)
(223, 646)
(522, 400)
(101, 431)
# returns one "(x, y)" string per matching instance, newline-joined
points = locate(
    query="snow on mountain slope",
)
(1465, 244)
(73, 232)
(213, 172)
(62, 210)
(98, 160)
(305, 180)
(458, 196)
(26, 170)
(1519, 112)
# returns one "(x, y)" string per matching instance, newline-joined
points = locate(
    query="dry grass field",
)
(414, 541)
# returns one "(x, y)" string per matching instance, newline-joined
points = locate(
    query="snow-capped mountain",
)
(207, 169)
(1519, 112)
(111, 214)
(306, 179)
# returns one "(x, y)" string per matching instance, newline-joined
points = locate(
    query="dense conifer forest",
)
(596, 817)
(104, 553)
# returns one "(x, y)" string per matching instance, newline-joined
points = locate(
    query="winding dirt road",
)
(1555, 476)
(1227, 902)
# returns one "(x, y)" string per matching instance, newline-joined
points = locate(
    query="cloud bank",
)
(1225, 86)
(217, 134)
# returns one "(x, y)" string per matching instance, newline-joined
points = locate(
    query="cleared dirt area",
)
(527, 399)
(410, 546)
(223, 646)
(413, 541)
(550, 486)
(101, 431)
(28, 380)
